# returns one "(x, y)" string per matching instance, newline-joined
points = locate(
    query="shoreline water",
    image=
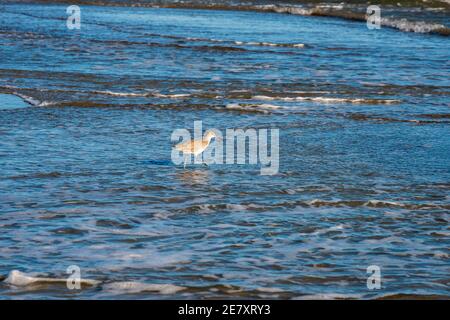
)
(414, 16)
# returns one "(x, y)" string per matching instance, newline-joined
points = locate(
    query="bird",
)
(195, 146)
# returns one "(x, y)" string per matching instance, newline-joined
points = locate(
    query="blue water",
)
(87, 179)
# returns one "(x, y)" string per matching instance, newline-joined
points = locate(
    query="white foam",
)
(20, 279)
(264, 107)
(286, 9)
(328, 296)
(333, 228)
(34, 102)
(249, 43)
(331, 6)
(326, 99)
(376, 203)
(236, 207)
(436, 9)
(47, 103)
(411, 26)
(122, 94)
(400, 24)
(146, 94)
(205, 208)
(315, 201)
(270, 44)
(30, 100)
(171, 96)
(136, 287)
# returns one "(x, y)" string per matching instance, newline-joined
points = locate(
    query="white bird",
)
(195, 146)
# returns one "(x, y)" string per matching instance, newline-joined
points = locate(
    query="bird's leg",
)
(203, 161)
(196, 158)
(185, 160)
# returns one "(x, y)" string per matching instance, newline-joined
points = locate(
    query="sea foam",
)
(328, 100)
(136, 287)
(18, 278)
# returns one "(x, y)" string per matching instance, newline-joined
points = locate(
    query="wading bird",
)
(195, 146)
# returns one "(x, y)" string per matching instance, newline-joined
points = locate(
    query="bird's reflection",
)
(193, 177)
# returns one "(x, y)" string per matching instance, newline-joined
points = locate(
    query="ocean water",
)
(87, 179)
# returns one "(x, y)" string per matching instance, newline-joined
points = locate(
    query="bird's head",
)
(209, 135)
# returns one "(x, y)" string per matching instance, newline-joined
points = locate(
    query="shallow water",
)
(86, 174)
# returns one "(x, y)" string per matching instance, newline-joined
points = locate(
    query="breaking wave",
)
(222, 41)
(373, 204)
(137, 287)
(316, 203)
(338, 11)
(270, 44)
(263, 108)
(121, 94)
(328, 99)
(415, 26)
(20, 279)
(33, 101)
(144, 94)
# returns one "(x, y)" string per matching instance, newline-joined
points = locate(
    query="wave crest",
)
(329, 100)
(20, 279)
